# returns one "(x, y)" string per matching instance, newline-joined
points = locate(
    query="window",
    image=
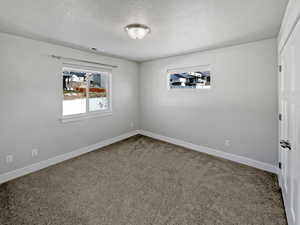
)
(85, 91)
(187, 78)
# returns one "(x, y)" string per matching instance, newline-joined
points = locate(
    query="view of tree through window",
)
(84, 91)
(198, 79)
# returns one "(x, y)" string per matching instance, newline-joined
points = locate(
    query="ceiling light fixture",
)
(137, 31)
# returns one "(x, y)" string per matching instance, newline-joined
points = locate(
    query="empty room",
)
(147, 112)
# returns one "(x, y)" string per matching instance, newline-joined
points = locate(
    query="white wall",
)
(30, 102)
(290, 19)
(240, 107)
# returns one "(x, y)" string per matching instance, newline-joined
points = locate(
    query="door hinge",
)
(280, 117)
(279, 165)
(280, 68)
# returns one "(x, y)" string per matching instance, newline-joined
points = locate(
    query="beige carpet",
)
(142, 181)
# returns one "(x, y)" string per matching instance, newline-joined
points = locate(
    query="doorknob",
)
(285, 144)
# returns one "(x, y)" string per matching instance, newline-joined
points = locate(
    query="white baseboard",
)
(214, 152)
(52, 161)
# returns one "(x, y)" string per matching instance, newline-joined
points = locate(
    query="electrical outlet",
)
(9, 159)
(227, 142)
(34, 152)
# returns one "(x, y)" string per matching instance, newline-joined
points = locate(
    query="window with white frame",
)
(191, 77)
(85, 91)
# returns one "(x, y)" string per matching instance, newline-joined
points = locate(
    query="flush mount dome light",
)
(137, 31)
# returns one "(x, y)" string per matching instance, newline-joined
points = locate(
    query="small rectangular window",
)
(188, 78)
(85, 91)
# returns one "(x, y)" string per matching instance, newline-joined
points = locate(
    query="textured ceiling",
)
(178, 26)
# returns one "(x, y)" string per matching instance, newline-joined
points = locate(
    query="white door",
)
(289, 126)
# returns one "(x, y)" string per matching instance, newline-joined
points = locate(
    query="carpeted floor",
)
(142, 181)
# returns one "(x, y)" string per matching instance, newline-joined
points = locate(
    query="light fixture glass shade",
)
(137, 31)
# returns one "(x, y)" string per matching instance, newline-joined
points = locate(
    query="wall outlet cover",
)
(9, 159)
(227, 142)
(34, 152)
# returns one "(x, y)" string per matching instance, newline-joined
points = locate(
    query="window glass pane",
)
(197, 79)
(74, 88)
(98, 92)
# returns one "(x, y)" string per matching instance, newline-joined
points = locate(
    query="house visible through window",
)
(193, 78)
(85, 91)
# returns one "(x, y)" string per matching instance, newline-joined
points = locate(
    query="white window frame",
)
(87, 114)
(188, 69)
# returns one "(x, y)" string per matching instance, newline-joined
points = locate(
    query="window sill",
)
(190, 89)
(74, 118)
